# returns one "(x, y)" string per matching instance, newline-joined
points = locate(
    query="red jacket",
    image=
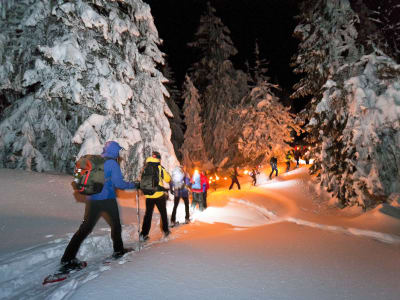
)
(203, 182)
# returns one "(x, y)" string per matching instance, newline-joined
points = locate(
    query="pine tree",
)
(81, 74)
(193, 150)
(174, 104)
(354, 117)
(221, 86)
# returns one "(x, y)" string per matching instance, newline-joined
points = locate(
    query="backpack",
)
(149, 183)
(273, 161)
(178, 178)
(89, 174)
(197, 181)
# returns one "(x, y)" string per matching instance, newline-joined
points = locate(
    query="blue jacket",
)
(112, 174)
(183, 192)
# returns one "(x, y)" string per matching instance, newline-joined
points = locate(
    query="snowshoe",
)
(65, 270)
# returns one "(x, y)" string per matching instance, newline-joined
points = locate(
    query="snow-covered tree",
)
(354, 116)
(327, 36)
(262, 126)
(380, 23)
(174, 103)
(221, 86)
(193, 150)
(83, 72)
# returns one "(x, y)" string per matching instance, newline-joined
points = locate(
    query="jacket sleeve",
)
(117, 178)
(166, 177)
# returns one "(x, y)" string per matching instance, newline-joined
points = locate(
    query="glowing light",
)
(225, 178)
(216, 177)
(196, 171)
(246, 171)
(211, 178)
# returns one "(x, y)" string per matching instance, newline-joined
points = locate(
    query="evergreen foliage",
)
(354, 116)
(77, 74)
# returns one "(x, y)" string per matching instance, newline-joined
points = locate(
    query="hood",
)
(111, 149)
(152, 159)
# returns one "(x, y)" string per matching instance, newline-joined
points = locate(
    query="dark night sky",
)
(271, 22)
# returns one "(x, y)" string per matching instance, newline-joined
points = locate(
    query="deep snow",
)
(279, 240)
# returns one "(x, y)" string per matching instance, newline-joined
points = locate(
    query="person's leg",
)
(238, 184)
(276, 171)
(233, 181)
(112, 217)
(147, 216)
(92, 214)
(204, 200)
(187, 215)
(287, 166)
(162, 208)
(272, 171)
(173, 215)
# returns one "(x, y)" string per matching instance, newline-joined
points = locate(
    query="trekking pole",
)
(138, 216)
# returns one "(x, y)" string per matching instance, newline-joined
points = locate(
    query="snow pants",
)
(176, 202)
(274, 168)
(161, 204)
(198, 199)
(287, 166)
(235, 180)
(205, 199)
(94, 209)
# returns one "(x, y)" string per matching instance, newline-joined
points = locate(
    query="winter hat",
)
(156, 154)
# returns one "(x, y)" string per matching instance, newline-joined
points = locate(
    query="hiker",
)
(157, 198)
(288, 159)
(253, 175)
(206, 186)
(105, 204)
(297, 155)
(274, 166)
(197, 190)
(179, 187)
(234, 177)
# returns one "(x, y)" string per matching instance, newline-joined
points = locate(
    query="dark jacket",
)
(112, 174)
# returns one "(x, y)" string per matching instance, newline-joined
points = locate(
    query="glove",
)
(137, 184)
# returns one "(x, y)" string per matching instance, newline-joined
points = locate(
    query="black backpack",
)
(149, 183)
(89, 174)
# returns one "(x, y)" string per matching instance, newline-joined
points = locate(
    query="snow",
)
(278, 240)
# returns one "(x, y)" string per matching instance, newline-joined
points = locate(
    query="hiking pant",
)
(254, 180)
(274, 168)
(176, 202)
(160, 202)
(198, 199)
(205, 199)
(287, 166)
(94, 209)
(235, 180)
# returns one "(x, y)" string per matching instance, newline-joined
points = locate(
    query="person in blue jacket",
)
(101, 204)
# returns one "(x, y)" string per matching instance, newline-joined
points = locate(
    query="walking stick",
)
(138, 216)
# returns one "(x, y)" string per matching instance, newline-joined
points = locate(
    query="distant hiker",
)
(297, 155)
(253, 175)
(206, 186)
(103, 203)
(307, 156)
(288, 158)
(152, 187)
(179, 187)
(234, 177)
(274, 166)
(197, 190)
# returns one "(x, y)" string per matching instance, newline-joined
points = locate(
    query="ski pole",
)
(138, 216)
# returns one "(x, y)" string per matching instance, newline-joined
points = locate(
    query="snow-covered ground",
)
(278, 240)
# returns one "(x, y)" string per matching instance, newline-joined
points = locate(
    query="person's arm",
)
(117, 179)
(166, 177)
